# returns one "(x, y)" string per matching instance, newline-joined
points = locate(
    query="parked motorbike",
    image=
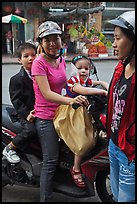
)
(95, 164)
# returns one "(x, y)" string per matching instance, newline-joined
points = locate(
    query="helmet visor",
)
(117, 23)
(121, 23)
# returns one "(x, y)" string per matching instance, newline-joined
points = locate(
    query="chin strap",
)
(54, 56)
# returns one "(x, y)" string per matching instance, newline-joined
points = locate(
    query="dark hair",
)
(79, 57)
(24, 46)
(130, 35)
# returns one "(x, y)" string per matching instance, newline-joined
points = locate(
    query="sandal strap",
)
(78, 181)
(75, 172)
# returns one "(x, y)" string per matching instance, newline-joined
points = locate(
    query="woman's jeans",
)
(122, 175)
(50, 148)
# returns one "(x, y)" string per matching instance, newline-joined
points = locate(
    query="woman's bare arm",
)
(48, 94)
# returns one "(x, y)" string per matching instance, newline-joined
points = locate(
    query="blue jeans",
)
(50, 149)
(122, 175)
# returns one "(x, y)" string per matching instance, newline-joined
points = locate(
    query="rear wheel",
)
(103, 186)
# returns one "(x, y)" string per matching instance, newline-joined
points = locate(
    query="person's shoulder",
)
(119, 65)
(73, 79)
(17, 75)
(39, 59)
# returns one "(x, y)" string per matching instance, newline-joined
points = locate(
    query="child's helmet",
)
(48, 28)
(125, 20)
(76, 58)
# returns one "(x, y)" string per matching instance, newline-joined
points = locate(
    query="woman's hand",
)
(81, 100)
(31, 117)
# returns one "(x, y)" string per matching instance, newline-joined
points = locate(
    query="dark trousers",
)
(27, 134)
(50, 149)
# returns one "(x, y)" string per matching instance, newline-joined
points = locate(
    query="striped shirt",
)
(76, 80)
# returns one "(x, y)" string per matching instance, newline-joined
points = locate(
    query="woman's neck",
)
(130, 68)
(53, 62)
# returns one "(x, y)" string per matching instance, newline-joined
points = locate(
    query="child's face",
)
(27, 57)
(83, 66)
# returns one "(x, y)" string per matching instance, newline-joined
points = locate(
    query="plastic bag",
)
(75, 127)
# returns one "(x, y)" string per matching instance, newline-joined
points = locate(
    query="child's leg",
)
(76, 172)
(20, 142)
(11, 145)
(77, 162)
(10, 154)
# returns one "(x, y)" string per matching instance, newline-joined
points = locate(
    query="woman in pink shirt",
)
(49, 77)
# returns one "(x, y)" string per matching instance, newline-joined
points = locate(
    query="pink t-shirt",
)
(57, 78)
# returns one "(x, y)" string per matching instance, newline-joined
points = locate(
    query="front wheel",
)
(103, 186)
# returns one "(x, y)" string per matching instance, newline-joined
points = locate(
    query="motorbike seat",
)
(7, 121)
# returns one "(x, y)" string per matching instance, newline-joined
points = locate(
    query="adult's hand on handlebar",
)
(75, 106)
(80, 100)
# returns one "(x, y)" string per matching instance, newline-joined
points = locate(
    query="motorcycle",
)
(95, 164)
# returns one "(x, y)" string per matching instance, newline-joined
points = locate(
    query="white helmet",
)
(125, 20)
(48, 28)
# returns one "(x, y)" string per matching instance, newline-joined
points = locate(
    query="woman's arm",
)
(44, 87)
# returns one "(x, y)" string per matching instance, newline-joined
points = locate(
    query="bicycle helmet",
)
(125, 20)
(48, 28)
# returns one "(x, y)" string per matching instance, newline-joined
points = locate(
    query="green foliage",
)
(87, 35)
(104, 39)
(108, 43)
(73, 33)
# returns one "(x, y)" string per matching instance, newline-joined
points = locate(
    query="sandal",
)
(78, 181)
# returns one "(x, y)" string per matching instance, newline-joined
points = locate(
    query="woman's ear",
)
(19, 60)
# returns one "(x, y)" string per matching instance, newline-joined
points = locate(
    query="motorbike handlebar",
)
(75, 105)
(98, 101)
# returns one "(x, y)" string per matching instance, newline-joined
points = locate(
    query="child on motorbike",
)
(22, 97)
(81, 140)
